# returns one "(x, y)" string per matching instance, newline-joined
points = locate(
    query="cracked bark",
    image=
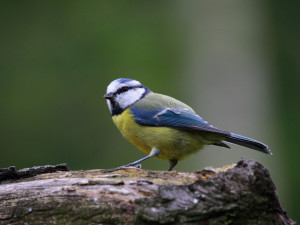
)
(237, 194)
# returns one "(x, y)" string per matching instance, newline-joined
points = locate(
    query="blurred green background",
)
(235, 62)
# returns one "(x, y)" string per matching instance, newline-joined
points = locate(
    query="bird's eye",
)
(123, 89)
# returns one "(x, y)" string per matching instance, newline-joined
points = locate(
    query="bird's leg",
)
(154, 152)
(172, 163)
(135, 163)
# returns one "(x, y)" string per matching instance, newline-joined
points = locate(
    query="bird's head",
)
(122, 93)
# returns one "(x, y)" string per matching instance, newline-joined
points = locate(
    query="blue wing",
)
(177, 117)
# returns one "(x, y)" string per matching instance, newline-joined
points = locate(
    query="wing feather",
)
(164, 111)
(178, 117)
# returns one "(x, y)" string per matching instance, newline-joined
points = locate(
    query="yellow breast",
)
(173, 143)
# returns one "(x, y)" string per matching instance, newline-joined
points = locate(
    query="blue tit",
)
(164, 127)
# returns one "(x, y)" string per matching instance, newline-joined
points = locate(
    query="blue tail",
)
(248, 142)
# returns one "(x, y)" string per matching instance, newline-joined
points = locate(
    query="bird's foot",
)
(138, 166)
(130, 165)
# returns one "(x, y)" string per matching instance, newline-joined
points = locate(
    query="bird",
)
(164, 127)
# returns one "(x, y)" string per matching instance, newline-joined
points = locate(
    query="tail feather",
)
(248, 142)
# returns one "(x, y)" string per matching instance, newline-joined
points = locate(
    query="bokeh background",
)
(235, 62)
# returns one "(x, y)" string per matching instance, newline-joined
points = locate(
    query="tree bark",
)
(237, 194)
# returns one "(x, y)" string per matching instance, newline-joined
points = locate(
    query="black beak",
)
(108, 96)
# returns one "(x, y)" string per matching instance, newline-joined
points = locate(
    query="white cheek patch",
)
(131, 96)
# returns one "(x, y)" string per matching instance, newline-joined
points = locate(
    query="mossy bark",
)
(237, 194)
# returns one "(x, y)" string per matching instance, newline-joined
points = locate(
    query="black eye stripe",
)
(124, 89)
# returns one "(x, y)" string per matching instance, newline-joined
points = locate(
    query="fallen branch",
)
(237, 194)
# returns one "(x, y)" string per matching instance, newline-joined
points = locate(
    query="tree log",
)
(237, 194)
